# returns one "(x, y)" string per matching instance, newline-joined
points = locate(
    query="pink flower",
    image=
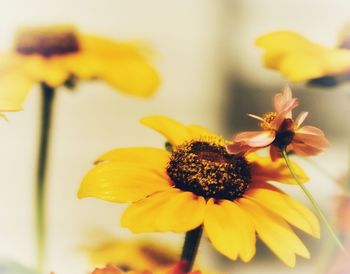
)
(280, 131)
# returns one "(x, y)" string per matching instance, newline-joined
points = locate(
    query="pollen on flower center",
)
(47, 41)
(268, 118)
(206, 169)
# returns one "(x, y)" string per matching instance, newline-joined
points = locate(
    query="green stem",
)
(190, 248)
(46, 110)
(313, 202)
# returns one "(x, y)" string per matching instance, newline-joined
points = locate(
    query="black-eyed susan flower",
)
(199, 184)
(54, 56)
(299, 59)
(133, 254)
(136, 255)
(58, 55)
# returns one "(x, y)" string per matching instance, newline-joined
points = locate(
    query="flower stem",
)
(313, 202)
(46, 110)
(190, 248)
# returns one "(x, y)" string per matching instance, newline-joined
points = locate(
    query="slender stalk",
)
(46, 110)
(313, 202)
(190, 248)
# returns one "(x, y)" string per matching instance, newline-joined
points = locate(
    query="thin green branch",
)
(46, 110)
(313, 202)
(190, 248)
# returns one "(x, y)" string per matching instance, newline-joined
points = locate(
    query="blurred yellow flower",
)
(133, 254)
(299, 59)
(111, 269)
(58, 55)
(199, 184)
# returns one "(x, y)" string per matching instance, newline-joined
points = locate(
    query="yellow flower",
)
(133, 255)
(299, 59)
(111, 269)
(200, 184)
(136, 255)
(58, 55)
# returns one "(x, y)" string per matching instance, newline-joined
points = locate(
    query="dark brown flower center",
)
(159, 257)
(47, 41)
(206, 169)
(285, 134)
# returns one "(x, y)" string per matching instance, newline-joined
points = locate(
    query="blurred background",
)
(212, 75)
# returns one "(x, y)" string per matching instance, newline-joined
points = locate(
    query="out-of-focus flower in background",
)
(337, 262)
(280, 130)
(342, 214)
(180, 266)
(134, 254)
(298, 59)
(111, 269)
(200, 185)
(60, 55)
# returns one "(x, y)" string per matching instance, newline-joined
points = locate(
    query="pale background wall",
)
(203, 47)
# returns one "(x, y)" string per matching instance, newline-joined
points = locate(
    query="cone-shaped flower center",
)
(47, 41)
(206, 169)
(268, 118)
(285, 134)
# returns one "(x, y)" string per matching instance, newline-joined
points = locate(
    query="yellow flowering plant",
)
(299, 59)
(132, 254)
(195, 185)
(57, 56)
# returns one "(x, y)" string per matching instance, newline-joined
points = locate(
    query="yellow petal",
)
(47, 70)
(83, 65)
(154, 158)
(14, 88)
(140, 216)
(221, 230)
(275, 233)
(198, 132)
(246, 228)
(107, 48)
(133, 77)
(299, 59)
(264, 169)
(175, 132)
(287, 208)
(121, 182)
(182, 212)
(138, 254)
(122, 65)
(9, 60)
